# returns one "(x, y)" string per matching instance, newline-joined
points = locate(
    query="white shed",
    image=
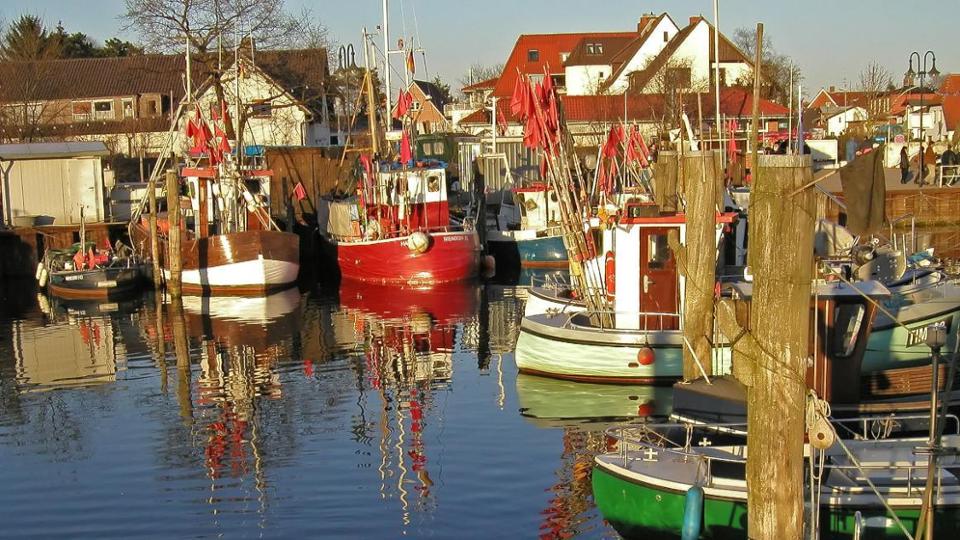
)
(49, 182)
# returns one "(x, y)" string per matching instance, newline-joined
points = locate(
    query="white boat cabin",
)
(409, 199)
(639, 269)
(533, 209)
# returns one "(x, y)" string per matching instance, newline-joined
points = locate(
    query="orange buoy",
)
(646, 356)
(646, 409)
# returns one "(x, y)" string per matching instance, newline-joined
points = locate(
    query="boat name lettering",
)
(918, 336)
(458, 238)
(76, 277)
(106, 284)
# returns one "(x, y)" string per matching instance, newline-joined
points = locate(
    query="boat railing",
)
(902, 243)
(652, 442)
(611, 315)
(552, 281)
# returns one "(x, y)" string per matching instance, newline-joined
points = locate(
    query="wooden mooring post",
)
(697, 260)
(770, 358)
(154, 241)
(174, 260)
(181, 348)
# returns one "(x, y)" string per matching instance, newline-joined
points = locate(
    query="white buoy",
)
(44, 275)
(39, 269)
(418, 242)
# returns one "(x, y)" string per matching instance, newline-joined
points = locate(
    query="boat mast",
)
(386, 55)
(371, 101)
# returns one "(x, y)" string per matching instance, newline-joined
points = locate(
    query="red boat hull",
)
(451, 256)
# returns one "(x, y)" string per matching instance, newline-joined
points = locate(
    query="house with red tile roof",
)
(128, 102)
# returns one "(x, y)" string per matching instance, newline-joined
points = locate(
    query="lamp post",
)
(922, 66)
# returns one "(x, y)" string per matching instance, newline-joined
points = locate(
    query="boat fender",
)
(418, 242)
(37, 273)
(609, 273)
(44, 276)
(646, 356)
(692, 514)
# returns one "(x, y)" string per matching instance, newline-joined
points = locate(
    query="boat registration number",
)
(454, 238)
(73, 278)
(106, 284)
(112, 306)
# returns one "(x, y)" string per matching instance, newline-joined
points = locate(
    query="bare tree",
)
(478, 72)
(669, 89)
(777, 71)
(209, 25)
(874, 82)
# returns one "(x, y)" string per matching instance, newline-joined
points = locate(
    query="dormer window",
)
(564, 56)
(533, 55)
(594, 48)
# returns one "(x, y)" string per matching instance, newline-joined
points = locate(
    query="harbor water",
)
(346, 413)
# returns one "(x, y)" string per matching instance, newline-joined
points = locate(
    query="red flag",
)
(553, 115)
(501, 122)
(78, 259)
(532, 138)
(517, 106)
(224, 145)
(406, 155)
(299, 191)
(613, 141)
(404, 101)
(602, 180)
(547, 82)
(543, 168)
(91, 260)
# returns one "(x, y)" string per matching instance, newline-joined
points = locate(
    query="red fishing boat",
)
(398, 230)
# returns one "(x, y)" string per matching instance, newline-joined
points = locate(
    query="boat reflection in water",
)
(406, 338)
(553, 402)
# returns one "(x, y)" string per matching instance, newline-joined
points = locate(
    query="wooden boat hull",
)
(553, 346)
(247, 263)
(451, 256)
(96, 284)
(640, 510)
(538, 252)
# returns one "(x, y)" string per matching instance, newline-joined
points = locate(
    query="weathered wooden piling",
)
(161, 343)
(666, 181)
(770, 357)
(697, 258)
(181, 348)
(174, 261)
(154, 241)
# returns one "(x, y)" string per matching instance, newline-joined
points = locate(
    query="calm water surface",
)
(360, 413)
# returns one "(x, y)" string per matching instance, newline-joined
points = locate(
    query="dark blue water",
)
(358, 413)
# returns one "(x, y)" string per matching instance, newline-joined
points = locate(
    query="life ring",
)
(609, 273)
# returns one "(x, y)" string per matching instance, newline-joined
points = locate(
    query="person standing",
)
(904, 165)
(929, 159)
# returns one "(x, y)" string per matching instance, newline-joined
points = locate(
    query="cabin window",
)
(658, 251)
(846, 328)
(433, 183)
(438, 148)
(533, 55)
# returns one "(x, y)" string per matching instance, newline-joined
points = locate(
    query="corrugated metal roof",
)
(12, 152)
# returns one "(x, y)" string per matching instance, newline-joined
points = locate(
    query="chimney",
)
(645, 20)
(695, 19)
(833, 89)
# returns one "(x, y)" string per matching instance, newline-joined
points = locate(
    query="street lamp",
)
(922, 66)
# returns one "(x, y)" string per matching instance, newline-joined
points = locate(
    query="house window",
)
(594, 48)
(564, 56)
(103, 110)
(533, 55)
(128, 108)
(601, 75)
(560, 81)
(153, 108)
(666, 36)
(416, 106)
(261, 109)
(82, 110)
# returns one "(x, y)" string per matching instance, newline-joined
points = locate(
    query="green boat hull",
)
(648, 513)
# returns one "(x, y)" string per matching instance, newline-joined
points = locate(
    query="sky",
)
(830, 40)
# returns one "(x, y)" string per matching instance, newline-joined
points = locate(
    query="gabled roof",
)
(302, 73)
(433, 92)
(549, 48)
(664, 56)
(482, 85)
(622, 59)
(80, 78)
(609, 46)
(950, 85)
(951, 112)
